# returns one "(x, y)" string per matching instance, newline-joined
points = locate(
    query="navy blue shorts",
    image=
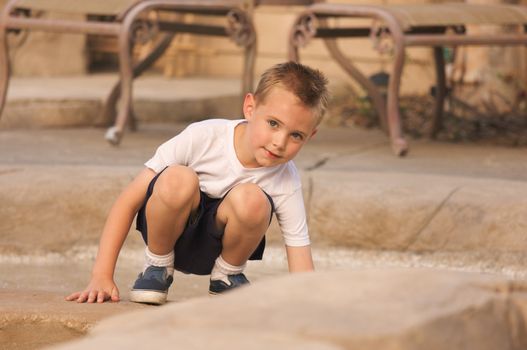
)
(200, 243)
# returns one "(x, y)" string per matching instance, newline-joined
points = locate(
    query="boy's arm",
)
(299, 259)
(102, 286)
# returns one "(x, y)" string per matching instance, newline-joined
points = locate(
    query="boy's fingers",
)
(82, 297)
(115, 294)
(101, 296)
(92, 296)
(73, 296)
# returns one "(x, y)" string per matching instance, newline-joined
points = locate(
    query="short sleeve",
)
(291, 215)
(174, 151)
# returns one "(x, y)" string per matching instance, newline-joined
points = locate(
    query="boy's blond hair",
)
(308, 84)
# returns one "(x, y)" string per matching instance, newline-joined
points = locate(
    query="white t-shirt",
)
(208, 148)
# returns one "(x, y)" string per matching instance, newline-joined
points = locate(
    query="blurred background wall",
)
(52, 54)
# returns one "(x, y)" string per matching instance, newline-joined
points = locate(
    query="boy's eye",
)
(297, 136)
(273, 123)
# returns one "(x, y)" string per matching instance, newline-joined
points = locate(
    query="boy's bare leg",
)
(244, 215)
(175, 196)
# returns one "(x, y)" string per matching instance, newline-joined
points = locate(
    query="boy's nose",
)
(279, 141)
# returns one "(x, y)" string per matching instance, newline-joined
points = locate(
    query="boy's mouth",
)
(271, 154)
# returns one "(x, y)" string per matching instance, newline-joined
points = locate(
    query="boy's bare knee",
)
(250, 204)
(176, 185)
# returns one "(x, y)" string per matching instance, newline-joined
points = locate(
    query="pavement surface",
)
(44, 161)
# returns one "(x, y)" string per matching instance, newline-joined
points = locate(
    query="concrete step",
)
(77, 101)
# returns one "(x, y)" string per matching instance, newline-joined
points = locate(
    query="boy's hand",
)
(99, 290)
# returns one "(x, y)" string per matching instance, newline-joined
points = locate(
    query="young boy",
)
(211, 192)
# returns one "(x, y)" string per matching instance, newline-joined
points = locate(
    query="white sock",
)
(222, 269)
(152, 259)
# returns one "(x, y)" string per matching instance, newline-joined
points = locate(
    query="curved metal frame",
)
(300, 37)
(242, 31)
(239, 28)
(110, 104)
(5, 66)
(305, 28)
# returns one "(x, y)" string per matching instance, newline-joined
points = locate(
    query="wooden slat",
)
(457, 14)
(93, 7)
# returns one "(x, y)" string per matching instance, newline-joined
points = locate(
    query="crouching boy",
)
(205, 199)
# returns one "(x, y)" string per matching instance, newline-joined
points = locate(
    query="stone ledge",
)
(366, 309)
(387, 211)
(417, 212)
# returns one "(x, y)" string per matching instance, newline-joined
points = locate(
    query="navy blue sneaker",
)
(219, 286)
(151, 286)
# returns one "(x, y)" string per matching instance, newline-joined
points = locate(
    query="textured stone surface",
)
(364, 309)
(32, 319)
(373, 211)
(49, 209)
(418, 212)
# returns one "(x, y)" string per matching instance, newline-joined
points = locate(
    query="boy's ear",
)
(249, 103)
(313, 133)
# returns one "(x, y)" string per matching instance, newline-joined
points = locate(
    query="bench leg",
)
(304, 30)
(372, 91)
(115, 133)
(292, 52)
(440, 91)
(4, 55)
(4, 68)
(240, 29)
(248, 68)
(399, 145)
(248, 71)
(110, 105)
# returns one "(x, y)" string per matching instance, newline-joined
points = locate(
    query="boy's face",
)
(277, 128)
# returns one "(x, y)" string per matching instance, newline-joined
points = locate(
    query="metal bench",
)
(433, 25)
(127, 20)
